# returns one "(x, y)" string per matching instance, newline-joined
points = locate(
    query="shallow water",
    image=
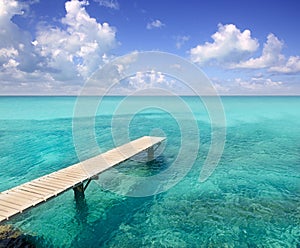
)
(251, 200)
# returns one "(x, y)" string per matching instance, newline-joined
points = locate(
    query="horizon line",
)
(221, 95)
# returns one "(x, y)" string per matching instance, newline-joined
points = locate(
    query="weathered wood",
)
(27, 195)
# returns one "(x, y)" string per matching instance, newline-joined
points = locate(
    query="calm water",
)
(251, 200)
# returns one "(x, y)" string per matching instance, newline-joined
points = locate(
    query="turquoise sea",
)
(251, 200)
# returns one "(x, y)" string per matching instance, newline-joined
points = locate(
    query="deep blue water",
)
(251, 200)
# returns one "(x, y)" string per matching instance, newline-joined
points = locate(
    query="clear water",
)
(251, 200)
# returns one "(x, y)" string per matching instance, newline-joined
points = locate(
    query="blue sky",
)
(244, 47)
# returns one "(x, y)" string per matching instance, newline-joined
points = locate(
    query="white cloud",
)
(9, 8)
(229, 44)
(56, 56)
(146, 82)
(256, 85)
(8, 52)
(231, 47)
(143, 80)
(180, 40)
(221, 89)
(272, 58)
(78, 49)
(18, 59)
(259, 84)
(11, 63)
(155, 24)
(271, 55)
(15, 43)
(292, 65)
(113, 4)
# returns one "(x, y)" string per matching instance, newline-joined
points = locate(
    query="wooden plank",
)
(70, 168)
(25, 192)
(43, 188)
(50, 188)
(30, 192)
(52, 182)
(77, 178)
(19, 202)
(40, 195)
(10, 205)
(114, 156)
(113, 161)
(77, 171)
(9, 209)
(15, 198)
(11, 200)
(20, 205)
(66, 179)
(18, 197)
(62, 179)
(59, 183)
(3, 213)
(37, 189)
(59, 186)
(2, 216)
(68, 175)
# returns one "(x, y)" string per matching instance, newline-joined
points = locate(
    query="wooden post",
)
(79, 192)
(150, 153)
(81, 206)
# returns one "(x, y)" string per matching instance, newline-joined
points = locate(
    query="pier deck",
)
(18, 199)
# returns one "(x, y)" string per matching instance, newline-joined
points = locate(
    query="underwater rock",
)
(11, 237)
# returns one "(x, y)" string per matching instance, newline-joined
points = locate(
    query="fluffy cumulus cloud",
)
(231, 48)
(230, 44)
(271, 54)
(16, 50)
(272, 58)
(18, 57)
(56, 55)
(155, 24)
(78, 49)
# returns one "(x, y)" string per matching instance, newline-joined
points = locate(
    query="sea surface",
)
(252, 199)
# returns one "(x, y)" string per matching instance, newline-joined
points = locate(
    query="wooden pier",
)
(18, 199)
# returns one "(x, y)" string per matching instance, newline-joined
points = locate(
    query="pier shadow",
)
(157, 165)
(140, 167)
